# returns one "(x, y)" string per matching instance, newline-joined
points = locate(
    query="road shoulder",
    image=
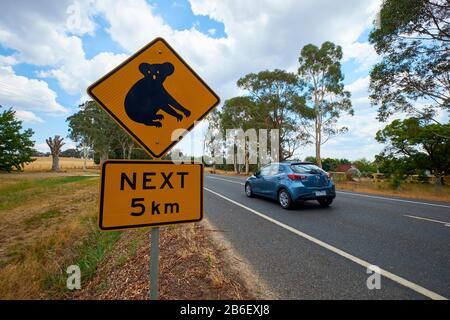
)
(194, 264)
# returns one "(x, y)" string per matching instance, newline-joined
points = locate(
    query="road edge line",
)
(392, 199)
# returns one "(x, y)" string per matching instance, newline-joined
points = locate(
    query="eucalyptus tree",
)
(92, 127)
(413, 39)
(325, 98)
(274, 101)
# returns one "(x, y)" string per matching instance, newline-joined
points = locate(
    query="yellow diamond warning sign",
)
(153, 95)
(139, 193)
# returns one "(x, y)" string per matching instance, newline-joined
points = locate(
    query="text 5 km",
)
(156, 208)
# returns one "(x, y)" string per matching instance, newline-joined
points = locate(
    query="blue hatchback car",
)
(291, 182)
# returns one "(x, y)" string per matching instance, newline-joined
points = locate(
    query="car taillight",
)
(296, 177)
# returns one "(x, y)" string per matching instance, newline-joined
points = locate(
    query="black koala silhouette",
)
(147, 96)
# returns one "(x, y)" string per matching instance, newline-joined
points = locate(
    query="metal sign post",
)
(154, 263)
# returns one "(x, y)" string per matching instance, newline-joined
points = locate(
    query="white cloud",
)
(48, 36)
(28, 116)
(359, 90)
(264, 36)
(23, 93)
(42, 147)
(363, 53)
(79, 18)
(132, 23)
(7, 60)
(42, 33)
(75, 76)
(68, 144)
(37, 30)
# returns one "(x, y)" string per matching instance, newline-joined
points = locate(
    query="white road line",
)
(361, 195)
(447, 224)
(365, 264)
(241, 183)
(392, 199)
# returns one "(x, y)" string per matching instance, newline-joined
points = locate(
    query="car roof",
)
(289, 163)
(298, 162)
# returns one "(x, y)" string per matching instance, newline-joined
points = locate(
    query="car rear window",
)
(306, 168)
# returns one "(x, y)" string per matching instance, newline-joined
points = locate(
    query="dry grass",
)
(406, 190)
(224, 173)
(45, 224)
(45, 164)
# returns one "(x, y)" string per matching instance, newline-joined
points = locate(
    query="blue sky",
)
(51, 52)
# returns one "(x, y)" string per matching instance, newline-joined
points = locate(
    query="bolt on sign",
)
(140, 193)
(153, 94)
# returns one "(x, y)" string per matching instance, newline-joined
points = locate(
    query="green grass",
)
(88, 255)
(24, 190)
(131, 251)
(40, 218)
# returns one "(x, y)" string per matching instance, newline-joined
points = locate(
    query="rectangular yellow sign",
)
(138, 193)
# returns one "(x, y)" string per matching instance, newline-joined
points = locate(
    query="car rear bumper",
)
(303, 193)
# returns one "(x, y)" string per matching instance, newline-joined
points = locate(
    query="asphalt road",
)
(323, 253)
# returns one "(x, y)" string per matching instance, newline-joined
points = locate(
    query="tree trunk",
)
(55, 162)
(85, 154)
(236, 167)
(55, 145)
(318, 143)
(104, 156)
(130, 151)
(440, 181)
(247, 166)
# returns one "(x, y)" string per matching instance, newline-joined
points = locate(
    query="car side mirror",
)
(257, 173)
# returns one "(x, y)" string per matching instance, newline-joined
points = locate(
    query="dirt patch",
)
(192, 266)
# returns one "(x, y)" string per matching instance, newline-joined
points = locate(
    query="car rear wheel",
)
(325, 202)
(248, 190)
(284, 199)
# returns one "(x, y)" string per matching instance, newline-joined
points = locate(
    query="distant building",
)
(344, 167)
